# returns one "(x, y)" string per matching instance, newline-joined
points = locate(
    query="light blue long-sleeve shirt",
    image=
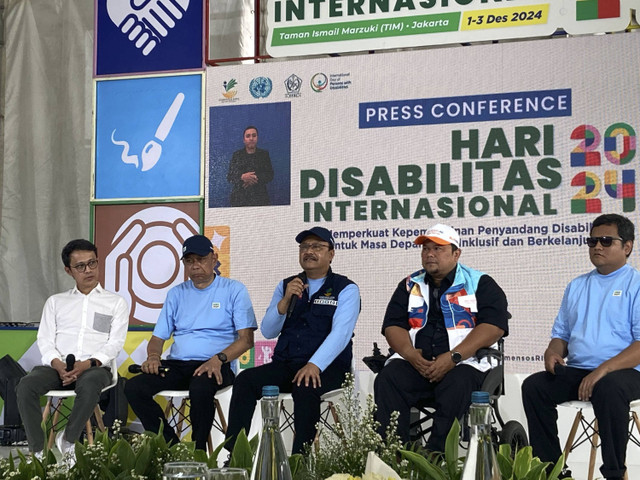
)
(344, 321)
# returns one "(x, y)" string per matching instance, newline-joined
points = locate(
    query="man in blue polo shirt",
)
(313, 314)
(212, 321)
(597, 331)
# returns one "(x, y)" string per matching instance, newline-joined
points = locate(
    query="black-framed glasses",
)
(314, 247)
(82, 267)
(605, 241)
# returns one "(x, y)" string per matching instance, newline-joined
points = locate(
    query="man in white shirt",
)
(87, 322)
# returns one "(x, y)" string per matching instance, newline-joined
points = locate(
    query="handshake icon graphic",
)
(146, 22)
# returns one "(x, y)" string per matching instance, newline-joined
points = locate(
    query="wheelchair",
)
(511, 432)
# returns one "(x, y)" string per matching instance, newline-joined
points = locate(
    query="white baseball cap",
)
(440, 234)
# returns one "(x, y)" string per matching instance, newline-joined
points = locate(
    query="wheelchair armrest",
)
(489, 352)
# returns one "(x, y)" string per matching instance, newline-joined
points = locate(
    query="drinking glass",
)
(190, 470)
(228, 474)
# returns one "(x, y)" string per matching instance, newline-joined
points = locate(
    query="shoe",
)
(39, 455)
(67, 449)
(565, 473)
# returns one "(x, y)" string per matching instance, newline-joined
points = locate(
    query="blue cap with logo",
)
(198, 244)
(319, 232)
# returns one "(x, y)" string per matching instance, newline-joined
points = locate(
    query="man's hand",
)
(151, 364)
(439, 367)
(551, 358)
(306, 373)
(294, 287)
(212, 368)
(586, 386)
(249, 179)
(418, 362)
(61, 367)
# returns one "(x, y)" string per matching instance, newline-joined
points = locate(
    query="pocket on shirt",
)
(102, 322)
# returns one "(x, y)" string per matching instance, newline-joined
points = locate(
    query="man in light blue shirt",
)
(313, 314)
(594, 353)
(212, 321)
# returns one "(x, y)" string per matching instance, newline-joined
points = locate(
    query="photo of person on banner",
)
(249, 173)
(259, 173)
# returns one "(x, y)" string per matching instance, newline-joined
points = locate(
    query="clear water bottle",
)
(272, 461)
(481, 463)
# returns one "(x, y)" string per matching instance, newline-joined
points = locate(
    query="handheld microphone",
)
(294, 298)
(71, 360)
(135, 368)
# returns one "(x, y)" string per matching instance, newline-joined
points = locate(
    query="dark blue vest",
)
(310, 324)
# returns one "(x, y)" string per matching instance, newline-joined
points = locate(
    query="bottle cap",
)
(270, 391)
(479, 397)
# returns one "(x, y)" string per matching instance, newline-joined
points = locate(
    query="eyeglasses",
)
(81, 267)
(314, 247)
(604, 241)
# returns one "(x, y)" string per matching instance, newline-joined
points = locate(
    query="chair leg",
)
(54, 421)
(181, 417)
(594, 449)
(98, 415)
(572, 435)
(89, 430)
(222, 420)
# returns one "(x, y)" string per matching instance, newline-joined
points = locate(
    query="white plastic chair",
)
(327, 408)
(177, 414)
(55, 404)
(589, 431)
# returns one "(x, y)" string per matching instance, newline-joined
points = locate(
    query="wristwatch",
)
(222, 357)
(94, 362)
(456, 357)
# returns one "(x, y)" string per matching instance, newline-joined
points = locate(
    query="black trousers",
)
(141, 389)
(247, 389)
(399, 387)
(542, 392)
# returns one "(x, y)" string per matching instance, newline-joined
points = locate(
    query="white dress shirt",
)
(89, 326)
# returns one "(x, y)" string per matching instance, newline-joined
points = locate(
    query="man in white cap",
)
(436, 321)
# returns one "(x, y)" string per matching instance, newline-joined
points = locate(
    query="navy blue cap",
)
(319, 232)
(198, 244)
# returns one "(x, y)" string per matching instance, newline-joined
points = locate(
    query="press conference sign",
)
(304, 27)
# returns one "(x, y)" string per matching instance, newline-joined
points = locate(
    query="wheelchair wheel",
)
(514, 434)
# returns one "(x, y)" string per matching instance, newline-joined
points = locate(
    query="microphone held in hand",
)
(294, 298)
(135, 368)
(71, 360)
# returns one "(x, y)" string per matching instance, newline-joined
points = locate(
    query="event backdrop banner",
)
(517, 145)
(148, 36)
(305, 27)
(148, 137)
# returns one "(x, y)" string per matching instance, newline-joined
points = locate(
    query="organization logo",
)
(260, 87)
(293, 84)
(151, 152)
(319, 82)
(146, 23)
(230, 90)
(144, 261)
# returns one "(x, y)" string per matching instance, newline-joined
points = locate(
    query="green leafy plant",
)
(521, 466)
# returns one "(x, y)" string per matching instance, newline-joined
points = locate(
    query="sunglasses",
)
(604, 241)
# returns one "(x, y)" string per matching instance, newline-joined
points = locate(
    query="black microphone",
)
(294, 298)
(71, 360)
(135, 368)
